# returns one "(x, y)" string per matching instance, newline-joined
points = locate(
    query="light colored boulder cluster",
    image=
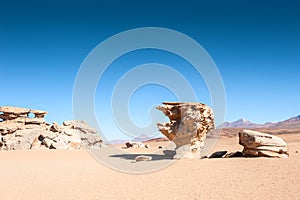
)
(136, 145)
(19, 131)
(189, 124)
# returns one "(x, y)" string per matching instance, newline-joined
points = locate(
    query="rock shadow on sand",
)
(168, 155)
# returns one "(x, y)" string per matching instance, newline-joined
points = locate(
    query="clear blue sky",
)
(255, 44)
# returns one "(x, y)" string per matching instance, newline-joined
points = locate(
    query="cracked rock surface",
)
(188, 126)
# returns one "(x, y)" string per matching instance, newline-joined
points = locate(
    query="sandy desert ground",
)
(60, 174)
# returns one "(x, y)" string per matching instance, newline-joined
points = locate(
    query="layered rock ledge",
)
(262, 144)
(18, 131)
(256, 144)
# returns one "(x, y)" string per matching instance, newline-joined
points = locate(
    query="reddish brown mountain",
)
(291, 123)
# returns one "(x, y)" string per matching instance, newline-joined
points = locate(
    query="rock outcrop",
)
(19, 131)
(262, 144)
(189, 124)
(14, 118)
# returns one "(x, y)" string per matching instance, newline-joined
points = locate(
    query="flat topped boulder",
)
(14, 110)
(11, 113)
(39, 112)
(262, 144)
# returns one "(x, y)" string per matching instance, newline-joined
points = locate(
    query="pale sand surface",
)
(77, 175)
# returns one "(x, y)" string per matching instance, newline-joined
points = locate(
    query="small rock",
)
(47, 142)
(58, 145)
(55, 127)
(74, 145)
(140, 145)
(143, 158)
(135, 145)
(41, 138)
(128, 144)
(218, 154)
(234, 154)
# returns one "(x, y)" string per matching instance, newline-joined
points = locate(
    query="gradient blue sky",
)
(255, 44)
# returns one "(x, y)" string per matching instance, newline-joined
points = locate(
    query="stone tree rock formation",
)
(188, 126)
(19, 131)
(262, 144)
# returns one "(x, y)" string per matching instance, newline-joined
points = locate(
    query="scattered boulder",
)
(75, 145)
(218, 154)
(236, 154)
(262, 144)
(48, 142)
(58, 145)
(128, 144)
(143, 158)
(136, 145)
(55, 128)
(224, 154)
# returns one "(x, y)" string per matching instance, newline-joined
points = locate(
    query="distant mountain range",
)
(240, 123)
(291, 123)
(231, 128)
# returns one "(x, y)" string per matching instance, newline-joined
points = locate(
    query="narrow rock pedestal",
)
(188, 126)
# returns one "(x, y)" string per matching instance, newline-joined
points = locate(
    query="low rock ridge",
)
(23, 128)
